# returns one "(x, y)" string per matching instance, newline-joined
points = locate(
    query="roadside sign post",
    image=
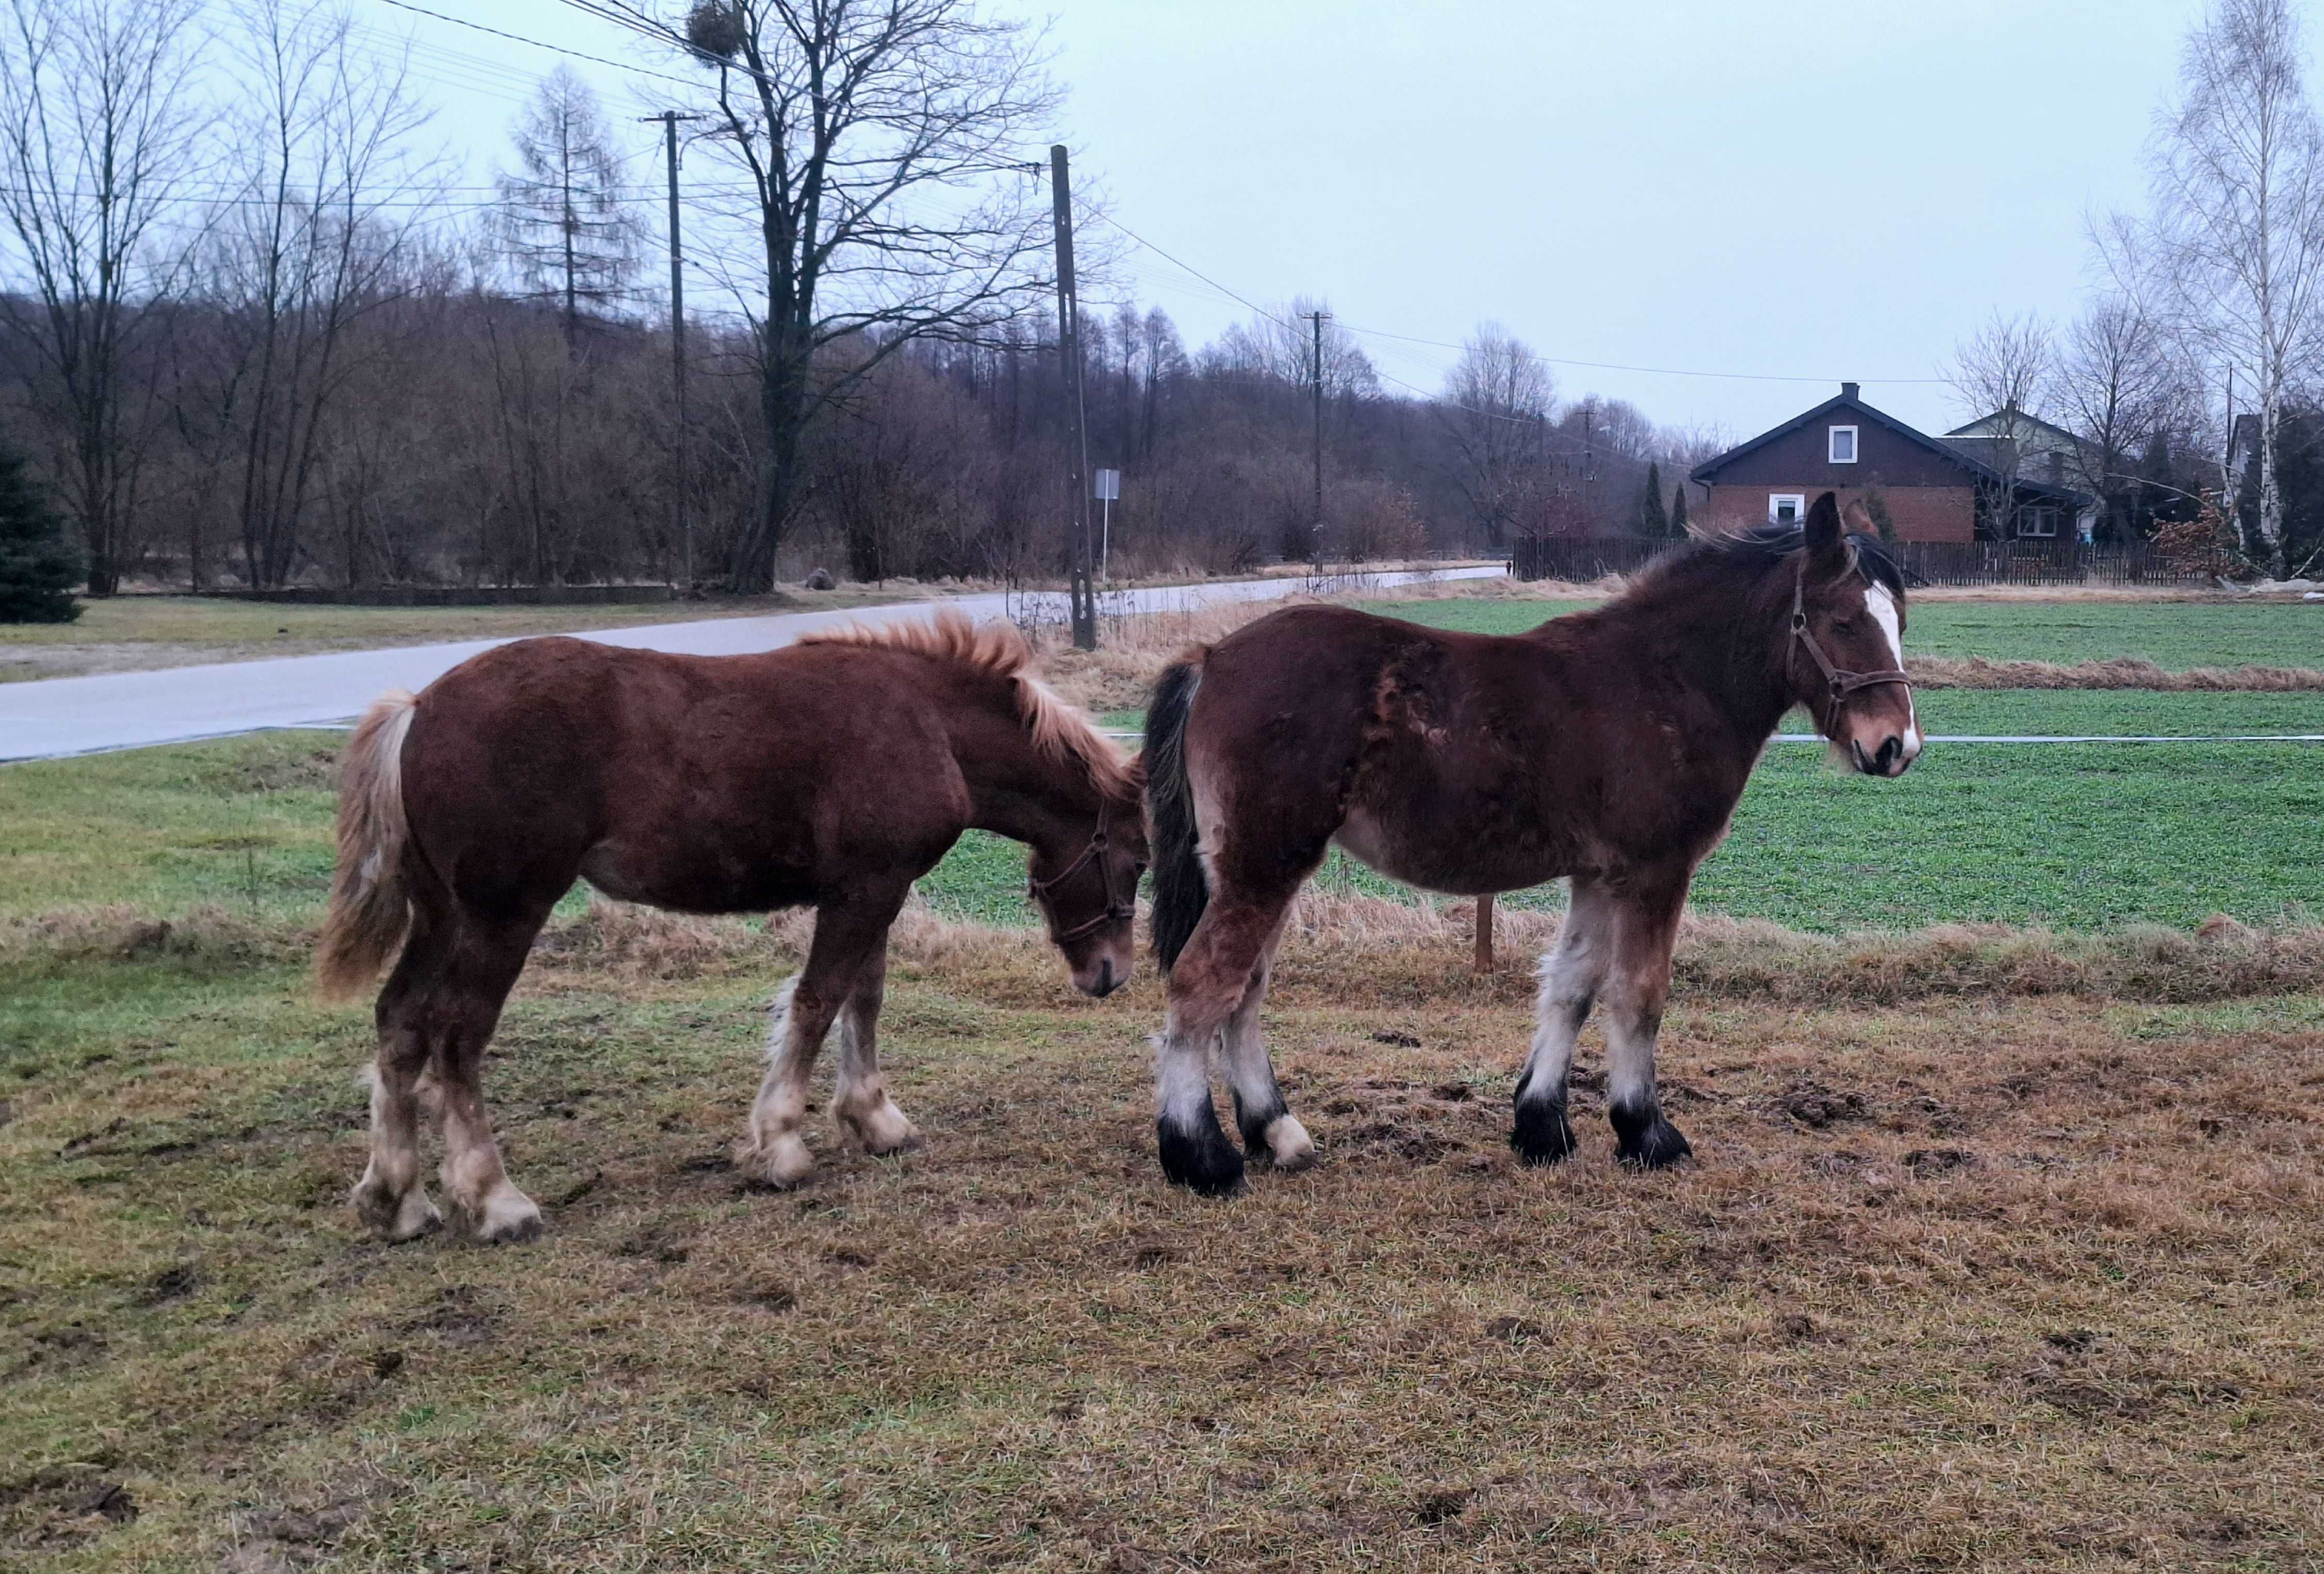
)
(1108, 488)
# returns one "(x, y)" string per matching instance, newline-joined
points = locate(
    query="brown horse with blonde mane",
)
(831, 774)
(1609, 747)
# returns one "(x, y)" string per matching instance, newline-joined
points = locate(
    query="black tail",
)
(1180, 891)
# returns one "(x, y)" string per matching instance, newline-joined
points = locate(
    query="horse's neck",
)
(1014, 790)
(1727, 644)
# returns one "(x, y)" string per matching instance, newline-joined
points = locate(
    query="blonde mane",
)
(1059, 729)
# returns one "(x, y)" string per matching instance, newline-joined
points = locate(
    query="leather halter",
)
(1843, 684)
(1116, 908)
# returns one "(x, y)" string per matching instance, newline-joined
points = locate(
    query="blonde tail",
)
(370, 909)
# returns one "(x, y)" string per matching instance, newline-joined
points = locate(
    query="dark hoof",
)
(1200, 1162)
(1645, 1141)
(1541, 1135)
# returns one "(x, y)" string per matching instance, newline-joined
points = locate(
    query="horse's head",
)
(1845, 651)
(1087, 888)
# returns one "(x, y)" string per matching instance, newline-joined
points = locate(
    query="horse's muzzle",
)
(1892, 758)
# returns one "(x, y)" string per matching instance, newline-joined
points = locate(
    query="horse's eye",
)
(1843, 625)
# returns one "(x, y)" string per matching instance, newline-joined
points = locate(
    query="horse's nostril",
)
(1105, 977)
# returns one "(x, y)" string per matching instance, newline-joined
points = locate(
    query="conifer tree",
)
(1652, 522)
(38, 567)
(1678, 513)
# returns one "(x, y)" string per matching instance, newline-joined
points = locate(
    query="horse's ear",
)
(1823, 531)
(1859, 519)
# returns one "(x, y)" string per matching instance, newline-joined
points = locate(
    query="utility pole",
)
(1316, 320)
(1069, 354)
(681, 520)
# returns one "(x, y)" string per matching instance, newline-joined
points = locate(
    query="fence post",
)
(1484, 959)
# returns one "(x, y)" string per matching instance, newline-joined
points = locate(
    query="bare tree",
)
(1496, 404)
(1280, 345)
(2000, 373)
(2238, 166)
(884, 145)
(312, 241)
(96, 124)
(2112, 384)
(563, 221)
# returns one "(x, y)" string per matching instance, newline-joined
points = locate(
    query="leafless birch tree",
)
(2238, 165)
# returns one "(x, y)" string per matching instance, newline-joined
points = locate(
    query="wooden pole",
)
(1485, 933)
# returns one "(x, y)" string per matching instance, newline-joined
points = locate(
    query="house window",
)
(1786, 507)
(1842, 445)
(2037, 521)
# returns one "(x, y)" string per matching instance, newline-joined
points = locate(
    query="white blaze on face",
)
(1883, 608)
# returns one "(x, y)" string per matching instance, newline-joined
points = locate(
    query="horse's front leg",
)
(862, 1107)
(1638, 983)
(848, 933)
(1572, 974)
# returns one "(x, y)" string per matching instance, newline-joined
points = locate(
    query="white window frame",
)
(2028, 513)
(1799, 502)
(1831, 443)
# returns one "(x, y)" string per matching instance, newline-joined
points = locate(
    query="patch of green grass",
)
(244, 824)
(2081, 837)
(2087, 712)
(2078, 837)
(2173, 634)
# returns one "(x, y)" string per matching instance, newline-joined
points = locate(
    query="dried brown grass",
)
(1398, 950)
(2119, 672)
(1971, 1283)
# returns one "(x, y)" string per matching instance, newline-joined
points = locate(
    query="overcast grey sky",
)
(1809, 189)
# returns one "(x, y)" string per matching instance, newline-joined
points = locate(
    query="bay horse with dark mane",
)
(831, 774)
(1611, 746)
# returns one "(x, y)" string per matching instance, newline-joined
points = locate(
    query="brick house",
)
(1933, 491)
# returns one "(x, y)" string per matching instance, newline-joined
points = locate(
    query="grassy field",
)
(1999, 1250)
(2081, 837)
(2051, 1305)
(2173, 634)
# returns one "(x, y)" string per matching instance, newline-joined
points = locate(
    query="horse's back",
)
(707, 784)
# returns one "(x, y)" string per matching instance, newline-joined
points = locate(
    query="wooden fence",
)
(1582, 560)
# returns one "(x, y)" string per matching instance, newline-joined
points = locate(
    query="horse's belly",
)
(1455, 865)
(699, 884)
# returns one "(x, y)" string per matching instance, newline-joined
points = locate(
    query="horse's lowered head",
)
(1844, 653)
(1087, 889)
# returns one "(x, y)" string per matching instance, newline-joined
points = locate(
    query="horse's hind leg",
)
(1571, 976)
(1270, 1132)
(1210, 983)
(1644, 927)
(861, 1106)
(390, 1198)
(473, 986)
(848, 934)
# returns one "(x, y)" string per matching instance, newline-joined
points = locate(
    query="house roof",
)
(2027, 417)
(1846, 399)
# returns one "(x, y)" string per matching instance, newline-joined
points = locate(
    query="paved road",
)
(130, 710)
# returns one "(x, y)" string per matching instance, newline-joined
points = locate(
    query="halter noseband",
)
(1116, 908)
(1843, 684)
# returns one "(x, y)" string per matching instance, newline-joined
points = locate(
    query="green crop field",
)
(2173, 634)
(2078, 837)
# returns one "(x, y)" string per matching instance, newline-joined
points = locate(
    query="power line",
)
(537, 44)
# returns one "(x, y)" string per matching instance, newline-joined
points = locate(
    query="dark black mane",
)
(1764, 545)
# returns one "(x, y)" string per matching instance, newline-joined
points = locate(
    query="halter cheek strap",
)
(1116, 908)
(1843, 685)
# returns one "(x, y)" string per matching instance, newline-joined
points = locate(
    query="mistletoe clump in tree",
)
(38, 567)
